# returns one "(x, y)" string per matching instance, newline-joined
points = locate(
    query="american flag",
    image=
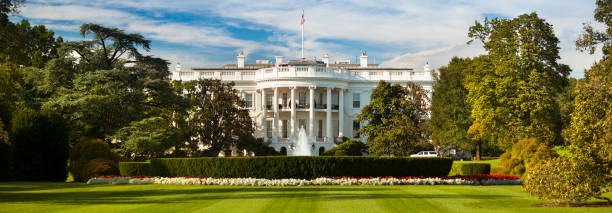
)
(303, 20)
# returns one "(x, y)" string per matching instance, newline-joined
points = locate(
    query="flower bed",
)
(454, 180)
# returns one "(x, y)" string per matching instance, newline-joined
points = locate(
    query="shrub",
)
(6, 155)
(85, 151)
(347, 148)
(566, 180)
(524, 154)
(470, 169)
(135, 168)
(99, 166)
(40, 146)
(275, 167)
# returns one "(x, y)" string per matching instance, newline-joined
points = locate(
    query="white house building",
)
(323, 98)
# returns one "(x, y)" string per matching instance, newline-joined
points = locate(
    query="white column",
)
(275, 124)
(341, 113)
(312, 114)
(264, 113)
(293, 118)
(330, 136)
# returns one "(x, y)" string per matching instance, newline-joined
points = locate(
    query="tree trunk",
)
(478, 149)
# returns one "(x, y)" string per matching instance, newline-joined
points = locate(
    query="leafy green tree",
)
(395, 119)
(147, 138)
(513, 89)
(40, 145)
(450, 111)
(587, 173)
(217, 119)
(524, 155)
(348, 148)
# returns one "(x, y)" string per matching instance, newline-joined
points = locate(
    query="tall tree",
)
(217, 120)
(513, 90)
(147, 138)
(450, 111)
(395, 119)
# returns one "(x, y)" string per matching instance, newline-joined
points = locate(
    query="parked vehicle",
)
(425, 154)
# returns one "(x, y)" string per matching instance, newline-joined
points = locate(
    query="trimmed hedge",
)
(470, 169)
(275, 167)
(135, 168)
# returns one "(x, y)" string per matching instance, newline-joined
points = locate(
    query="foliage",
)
(147, 138)
(6, 155)
(450, 112)
(40, 145)
(395, 119)
(99, 166)
(87, 150)
(525, 154)
(135, 168)
(347, 148)
(470, 169)
(217, 120)
(567, 180)
(591, 38)
(258, 147)
(587, 173)
(105, 93)
(513, 89)
(300, 167)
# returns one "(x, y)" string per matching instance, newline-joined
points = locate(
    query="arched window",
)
(321, 151)
(283, 151)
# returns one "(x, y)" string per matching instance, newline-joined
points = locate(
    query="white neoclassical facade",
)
(323, 98)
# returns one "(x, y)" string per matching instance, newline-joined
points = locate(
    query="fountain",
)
(302, 144)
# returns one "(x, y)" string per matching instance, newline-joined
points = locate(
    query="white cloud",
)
(420, 30)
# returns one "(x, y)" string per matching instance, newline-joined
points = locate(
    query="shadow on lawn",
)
(117, 194)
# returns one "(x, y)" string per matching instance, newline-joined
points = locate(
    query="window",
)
(302, 124)
(302, 98)
(356, 100)
(320, 132)
(269, 128)
(321, 151)
(356, 127)
(269, 100)
(285, 128)
(249, 100)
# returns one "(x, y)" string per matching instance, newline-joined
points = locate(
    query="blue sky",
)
(395, 33)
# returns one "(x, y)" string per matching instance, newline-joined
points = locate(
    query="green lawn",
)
(494, 162)
(78, 197)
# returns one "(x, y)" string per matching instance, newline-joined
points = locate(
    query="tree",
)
(40, 141)
(102, 94)
(450, 111)
(513, 88)
(587, 173)
(147, 138)
(395, 119)
(217, 119)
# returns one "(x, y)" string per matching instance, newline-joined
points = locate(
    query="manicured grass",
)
(78, 197)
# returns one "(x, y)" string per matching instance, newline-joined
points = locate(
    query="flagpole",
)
(302, 27)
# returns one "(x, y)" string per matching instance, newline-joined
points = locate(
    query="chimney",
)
(363, 59)
(240, 60)
(279, 60)
(326, 60)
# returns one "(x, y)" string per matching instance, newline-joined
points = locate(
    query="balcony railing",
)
(310, 72)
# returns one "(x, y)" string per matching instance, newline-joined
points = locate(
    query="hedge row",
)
(135, 168)
(275, 167)
(470, 169)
